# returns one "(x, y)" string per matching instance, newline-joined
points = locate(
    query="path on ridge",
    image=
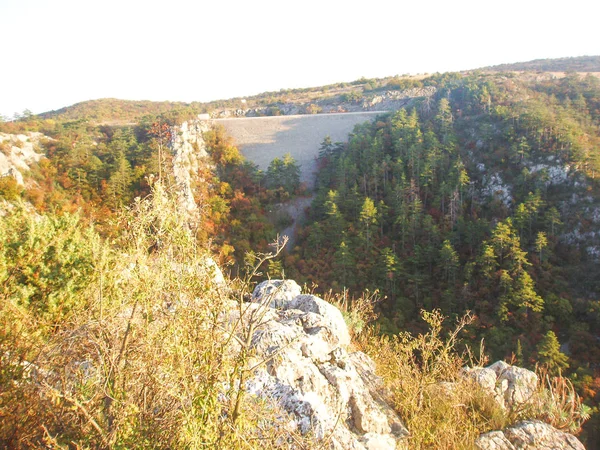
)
(261, 139)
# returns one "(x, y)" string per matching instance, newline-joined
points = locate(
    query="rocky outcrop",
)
(17, 153)
(304, 363)
(529, 435)
(391, 100)
(189, 149)
(510, 386)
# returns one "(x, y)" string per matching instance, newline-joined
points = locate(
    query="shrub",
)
(149, 360)
(9, 188)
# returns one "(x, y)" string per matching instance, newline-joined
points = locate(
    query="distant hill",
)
(338, 97)
(111, 110)
(574, 64)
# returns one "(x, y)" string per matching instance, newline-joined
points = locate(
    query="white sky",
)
(58, 52)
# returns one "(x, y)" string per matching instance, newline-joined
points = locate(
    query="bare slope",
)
(261, 139)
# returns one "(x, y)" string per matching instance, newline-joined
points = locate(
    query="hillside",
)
(110, 111)
(358, 95)
(573, 64)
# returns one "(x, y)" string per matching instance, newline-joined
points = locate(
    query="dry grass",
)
(441, 408)
(557, 403)
(148, 361)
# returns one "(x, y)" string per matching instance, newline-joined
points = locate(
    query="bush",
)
(149, 360)
(9, 188)
(46, 263)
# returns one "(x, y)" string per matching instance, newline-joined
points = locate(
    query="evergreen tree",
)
(549, 354)
(368, 219)
(119, 182)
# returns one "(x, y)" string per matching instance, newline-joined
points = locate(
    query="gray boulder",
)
(286, 295)
(510, 386)
(303, 363)
(529, 435)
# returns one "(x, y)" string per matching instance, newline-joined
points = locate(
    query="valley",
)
(439, 222)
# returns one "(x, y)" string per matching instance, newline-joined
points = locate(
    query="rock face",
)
(510, 386)
(529, 435)
(308, 369)
(17, 152)
(189, 149)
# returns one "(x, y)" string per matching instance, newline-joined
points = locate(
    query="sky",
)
(59, 52)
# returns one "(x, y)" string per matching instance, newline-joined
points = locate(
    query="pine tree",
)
(541, 242)
(368, 219)
(550, 355)
(449, 259)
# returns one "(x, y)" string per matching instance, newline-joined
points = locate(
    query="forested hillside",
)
(110, 111)
(483, 199)
(99, 169)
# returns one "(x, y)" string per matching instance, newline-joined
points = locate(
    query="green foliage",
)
(402, 208)
(46, 263)
(549, 354)
(9, 188)
(283, 175)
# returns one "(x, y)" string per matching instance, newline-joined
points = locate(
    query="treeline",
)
(451, 204)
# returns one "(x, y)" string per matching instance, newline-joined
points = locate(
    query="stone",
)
(18, 153)
(189, 150)
(276, 292)
(494, 440)
(511, 386)
(529, 435)
(331, 316)
(534, 434)
(303, 363)
(484, 376)
(520, 385)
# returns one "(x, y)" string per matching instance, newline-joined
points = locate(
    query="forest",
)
(404, 208)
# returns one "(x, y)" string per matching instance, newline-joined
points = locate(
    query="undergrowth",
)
(129, 344)
(424, 381)
(123, 344)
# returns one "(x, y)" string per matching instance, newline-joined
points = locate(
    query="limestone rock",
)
(18, 151)
(189, 149)
(276, 292)
(511, 386)
(494, 440)
(520, 385)
(529, 435)
(308, 370)
(329, 316)
(285, 294)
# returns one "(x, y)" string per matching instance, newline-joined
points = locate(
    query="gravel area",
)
(261, 139)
